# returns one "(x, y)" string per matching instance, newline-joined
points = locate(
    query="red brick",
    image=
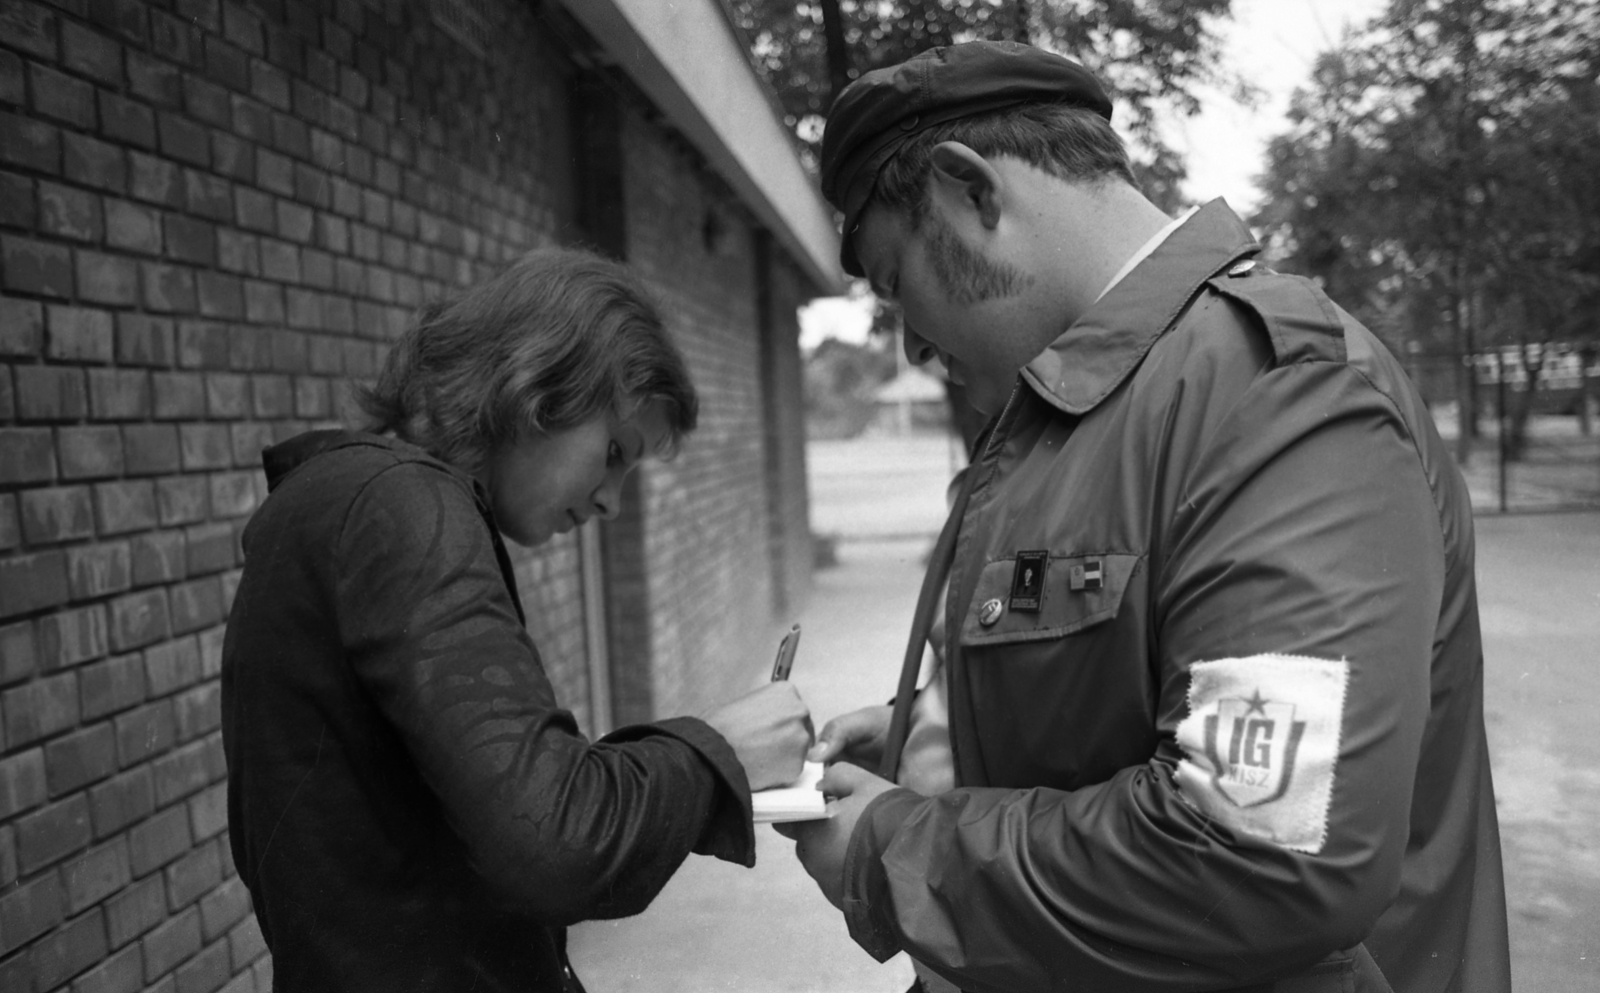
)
(75, 760)
(208, 817)
(21, 327)
(121, 800)
(280, 260)
(94, 163)
(263, 302)
(211, 548)
(316, 268)
(90, 53)
(273, 396)
(238, 252)
(155, 180)
(19, 655)
(62, 97)
(89, 452)
(206, 972)
(221, 295)
(227, 396)
(22, 782)
(128, 122)
(138, 619)
(311, 399)
(69, 212)
(193, 876)
(253, 211)
(123, 972)
(159, 840)
(10, 524)
(31, 143)
(198, 710)
(36, 266)
(225, 906)
(50, 393)
(55, 514)
(150, 448)
(29, 911)
(346, 195)
(32, 582)
(174, 39)
(333, 234)
(119, 394)
(30, 27)
(18, 204)
(202, 345)
(205, 446)
(292, 135)
(125, 505)
(154, 80)
(249, 439)
(290, 351)
(274, 172)
(249, 348)
(190, 239)
(111, 686)
(41, 708)
(167, 288)
(206, 101)
(182, 139)
(170, 943)
(16, 973)
(135, 910)
(182, 499)
(70, 949)
(50, 834)
(72, 637)
(96, 874)
(247, 945)
(107, 278)
(233, 494)
(195, 605)
(133, 226)
(79, 334)
(172, 666)
(252, 120)
(124, 18)
(227, 64)
(305, 309)
(99, 570)
(178, 394)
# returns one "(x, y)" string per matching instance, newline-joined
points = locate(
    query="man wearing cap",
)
(1213, 665)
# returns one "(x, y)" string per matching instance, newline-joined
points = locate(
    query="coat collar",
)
(1100, 350)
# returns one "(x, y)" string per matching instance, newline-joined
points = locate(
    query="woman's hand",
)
(856, 737)
(769, 730)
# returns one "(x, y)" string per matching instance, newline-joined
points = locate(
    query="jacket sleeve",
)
(1303, 568)
(566, 829)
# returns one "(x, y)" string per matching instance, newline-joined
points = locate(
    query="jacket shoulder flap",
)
(1302, 322)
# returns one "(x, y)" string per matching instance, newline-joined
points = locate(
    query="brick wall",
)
(213, 218)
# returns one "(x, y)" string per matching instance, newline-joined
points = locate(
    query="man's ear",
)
(964, 180)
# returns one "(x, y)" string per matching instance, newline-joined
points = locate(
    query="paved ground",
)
(718, 927)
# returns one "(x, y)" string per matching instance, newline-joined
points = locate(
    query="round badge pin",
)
(990, 612)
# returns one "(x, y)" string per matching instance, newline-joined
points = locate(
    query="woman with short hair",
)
(409, 806)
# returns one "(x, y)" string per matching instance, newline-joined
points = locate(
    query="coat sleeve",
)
(1299, 583)
(566, 829)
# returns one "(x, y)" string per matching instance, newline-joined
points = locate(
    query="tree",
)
(1152, 54)
(1440, 176)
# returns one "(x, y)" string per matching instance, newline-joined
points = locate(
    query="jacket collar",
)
(1100, 350)
(282, 459)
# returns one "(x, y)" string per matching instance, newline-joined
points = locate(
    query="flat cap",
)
(877, 113)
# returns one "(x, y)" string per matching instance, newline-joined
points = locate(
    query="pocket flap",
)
(1079, 591)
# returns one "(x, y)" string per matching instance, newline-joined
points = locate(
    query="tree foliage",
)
(1152, 54)
(1441, 175)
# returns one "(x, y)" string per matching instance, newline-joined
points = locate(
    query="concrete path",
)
(768, 930)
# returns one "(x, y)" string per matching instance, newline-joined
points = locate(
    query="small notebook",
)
(801, 801)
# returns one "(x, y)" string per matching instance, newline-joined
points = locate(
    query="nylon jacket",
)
(1215, 670)
(408, 804)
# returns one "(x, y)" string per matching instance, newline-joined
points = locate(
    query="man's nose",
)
(918, 351)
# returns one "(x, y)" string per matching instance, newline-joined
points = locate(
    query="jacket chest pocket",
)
(1070, 593)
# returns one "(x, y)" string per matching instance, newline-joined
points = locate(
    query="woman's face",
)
(549, 483)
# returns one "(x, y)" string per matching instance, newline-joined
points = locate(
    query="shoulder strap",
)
(1303, 323)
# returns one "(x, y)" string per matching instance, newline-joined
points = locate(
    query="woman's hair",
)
(555, 338)
(1064, 139)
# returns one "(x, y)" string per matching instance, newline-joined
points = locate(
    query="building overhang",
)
(687, 58)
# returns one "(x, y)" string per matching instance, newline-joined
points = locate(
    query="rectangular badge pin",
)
(1088, 575)
(1027, 581)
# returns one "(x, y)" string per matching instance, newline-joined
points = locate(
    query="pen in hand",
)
(786, 650)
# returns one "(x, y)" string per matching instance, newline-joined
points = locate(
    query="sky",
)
(1273, 44)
